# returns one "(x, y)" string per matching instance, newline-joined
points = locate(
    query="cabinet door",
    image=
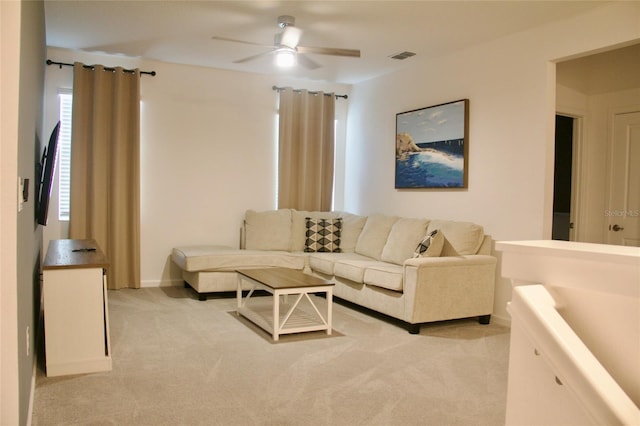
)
(74, 315)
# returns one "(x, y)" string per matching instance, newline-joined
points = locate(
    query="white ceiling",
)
(180, 31)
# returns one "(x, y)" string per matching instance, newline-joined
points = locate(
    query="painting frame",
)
(432, 147)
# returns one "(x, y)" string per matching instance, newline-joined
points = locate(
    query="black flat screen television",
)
(47, 172)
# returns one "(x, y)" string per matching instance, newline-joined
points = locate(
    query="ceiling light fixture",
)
(286, 57)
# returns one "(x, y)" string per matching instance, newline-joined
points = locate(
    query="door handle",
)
(616, 228)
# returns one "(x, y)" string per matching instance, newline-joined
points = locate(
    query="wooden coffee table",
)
(266, 312)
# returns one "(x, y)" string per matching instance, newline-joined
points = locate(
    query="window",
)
(64, 154)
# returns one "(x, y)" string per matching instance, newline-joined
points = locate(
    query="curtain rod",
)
(278, 89)
(60, 64)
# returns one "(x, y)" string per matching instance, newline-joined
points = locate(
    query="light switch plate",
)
(20, 197)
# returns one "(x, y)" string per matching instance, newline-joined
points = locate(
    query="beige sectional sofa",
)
(372, 261)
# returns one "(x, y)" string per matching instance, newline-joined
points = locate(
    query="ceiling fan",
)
(286, 48)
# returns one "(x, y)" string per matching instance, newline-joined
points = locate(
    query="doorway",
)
(591, 89)
(562, 179)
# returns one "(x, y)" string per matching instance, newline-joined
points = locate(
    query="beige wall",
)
(9, 73)
(511, 86)
(208, 147)
(22, 74)
(208, 139)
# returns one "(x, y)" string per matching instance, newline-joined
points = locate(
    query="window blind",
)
(64, 156)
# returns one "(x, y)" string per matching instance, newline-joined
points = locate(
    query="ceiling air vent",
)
(402, 55)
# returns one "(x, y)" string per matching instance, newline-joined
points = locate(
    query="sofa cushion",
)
(431, 245)
(220, 258)
(461, 238)
(352, 225)
(374, 235)
(324, 262)
(193, 258)
(385, 275)
(268, 230)
(299, 225)
(352, 269)
(323, 235)
(405, 234)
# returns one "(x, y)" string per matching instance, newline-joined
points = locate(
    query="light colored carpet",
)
(179, 361)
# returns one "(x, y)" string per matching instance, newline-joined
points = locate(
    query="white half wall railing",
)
(575, 333)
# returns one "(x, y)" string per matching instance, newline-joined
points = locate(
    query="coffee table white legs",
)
(295, 320)
(323, 322)
(276, 317)
(329, 310)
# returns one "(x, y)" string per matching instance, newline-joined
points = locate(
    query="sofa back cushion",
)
(460, 238)
(352, 225)
(268, 230)
(403, 238)
(374, 235)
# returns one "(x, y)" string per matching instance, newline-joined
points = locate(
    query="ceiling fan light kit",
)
(285, 57)
(286, 49)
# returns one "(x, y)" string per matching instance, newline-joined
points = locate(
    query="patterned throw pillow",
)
(431, 245)
(323, 235)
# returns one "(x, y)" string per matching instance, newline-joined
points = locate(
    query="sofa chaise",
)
(414, 270)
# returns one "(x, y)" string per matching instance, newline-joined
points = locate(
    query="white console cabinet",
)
(76, 317)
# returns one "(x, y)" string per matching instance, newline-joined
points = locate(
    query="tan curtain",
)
(306, 150)
(105, 176)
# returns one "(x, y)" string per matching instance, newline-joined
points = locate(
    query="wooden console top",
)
(63, 254)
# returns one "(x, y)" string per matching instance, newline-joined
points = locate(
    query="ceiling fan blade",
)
(291, 36)
(307, 62)
(354, 53)
(250, 58)
(240, 41)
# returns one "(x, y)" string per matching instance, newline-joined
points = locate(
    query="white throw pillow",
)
(431, 245)
(405, 234)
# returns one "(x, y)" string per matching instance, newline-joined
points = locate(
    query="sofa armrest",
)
(441, 288)
(451, 261)
(487, 245)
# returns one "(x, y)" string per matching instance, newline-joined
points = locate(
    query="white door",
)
(623, 213)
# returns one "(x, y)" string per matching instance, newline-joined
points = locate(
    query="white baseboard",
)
(503, 321)
(33, 388)
(161, 283)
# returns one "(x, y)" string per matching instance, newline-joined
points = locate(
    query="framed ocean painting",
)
(432, 146)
